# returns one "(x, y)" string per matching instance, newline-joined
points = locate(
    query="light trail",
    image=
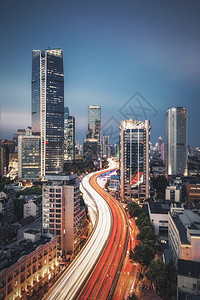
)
(73, 278)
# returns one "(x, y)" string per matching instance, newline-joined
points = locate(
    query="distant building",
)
(173, 193)
(176, 141)
(33, 208)
(94, 122)
(94, 127)
(91, 148)
(184, 234)
(114, 183)
(48, 107)
(29, 159)
(192, 192)
(134, 159)
(60, 210)
(6, 204)
(106, 146)
(158, 214)
(69, 136)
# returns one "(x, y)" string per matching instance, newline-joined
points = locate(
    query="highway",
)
(102, 282)
(105, 219)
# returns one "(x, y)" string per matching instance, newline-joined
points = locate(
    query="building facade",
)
(31, 272)
(134, 159)
(60, 210)
(69, 136)
(29, 157)
(184, 234)
(48, 107)
(176, 141)
(106, 146)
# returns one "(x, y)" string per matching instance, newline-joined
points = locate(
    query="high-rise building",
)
(134, 159)
(69, 135)
(94, 122)
(48, 107)
(176, 141)
(106, 146)
(60, 210)
(29, 157)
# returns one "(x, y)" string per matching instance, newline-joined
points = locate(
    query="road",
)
(75, 276)
(103, 280)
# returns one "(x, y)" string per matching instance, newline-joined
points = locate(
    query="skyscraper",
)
(69, 135)
(94, 122)
(94, 132)
(48, 107)
(134, 159)
(176, 141)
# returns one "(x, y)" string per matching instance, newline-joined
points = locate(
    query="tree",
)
(157, 273)
(164, 278)
(144, 253)
(146, 232)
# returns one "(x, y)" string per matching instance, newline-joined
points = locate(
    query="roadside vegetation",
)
(163, 277)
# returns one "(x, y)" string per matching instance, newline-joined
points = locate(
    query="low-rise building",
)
(188, 284)
(114, 183)
(184, 234)
(158, 214)
(27, 266)
(33, 208)
(6, 204)
(173, 193)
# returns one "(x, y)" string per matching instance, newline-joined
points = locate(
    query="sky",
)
(134, 58)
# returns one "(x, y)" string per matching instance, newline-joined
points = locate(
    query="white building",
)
(60, 210)
(32, 208)
(173, 193)
(176, 141)
(184, 234)
(158, 214)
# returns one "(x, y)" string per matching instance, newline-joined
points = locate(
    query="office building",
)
(106, 146)
(94, 122)
(134, 159)
(48, 107)
(94, 129)
(60, 210)
(69, 136)
(29, 157)
(173, 192)
(176, 141)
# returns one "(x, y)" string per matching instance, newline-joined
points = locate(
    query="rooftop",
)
(159, 207)
(12, 253)
(189, 268)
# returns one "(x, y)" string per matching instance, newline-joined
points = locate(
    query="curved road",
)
(103, 280)
(96, 267)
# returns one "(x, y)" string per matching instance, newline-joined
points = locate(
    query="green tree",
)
(144, 253)
(146, 232)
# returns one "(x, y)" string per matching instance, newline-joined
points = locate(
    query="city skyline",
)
(111, 51)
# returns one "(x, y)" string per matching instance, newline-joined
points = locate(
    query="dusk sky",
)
(112, 50)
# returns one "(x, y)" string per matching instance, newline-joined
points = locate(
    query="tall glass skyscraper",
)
(48, 107)
(134, 159)
(94, 122)
(176, 141)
